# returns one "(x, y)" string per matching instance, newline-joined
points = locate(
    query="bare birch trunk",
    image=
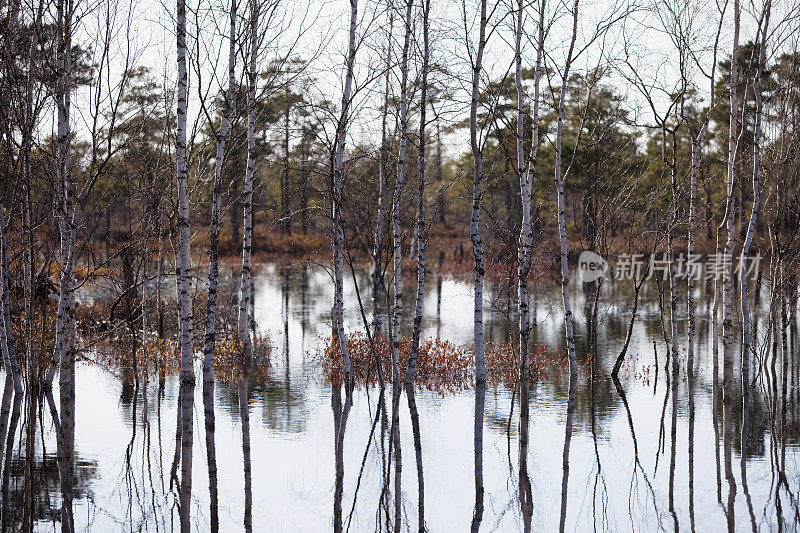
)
(286, 219)
(184, 280)
(562, 231)
(213, 274)
(397, 241)
(420, 241)
(477, 196)
(9, 353)
(337, 185)
(64, 352)
(65, 211)
(10, 361)
(245, 286)
(727, 279)
(562, 224)
(383, 168)
(526, 177)
(745, 308)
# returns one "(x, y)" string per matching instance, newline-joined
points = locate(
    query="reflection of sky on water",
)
(292, 430)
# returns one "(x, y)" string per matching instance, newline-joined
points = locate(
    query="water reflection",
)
(291, 452)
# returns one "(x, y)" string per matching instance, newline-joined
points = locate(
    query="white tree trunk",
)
(9, 353)
(64, 352)
(745, 308)
(65, 317)
(526, 176)
(420, 230)
(562, 224)
(727, 279)
(477, 196)
(213, 273)
(246, 293)
(377, 276)
(184, 279)
(397, 310)
(337, 314)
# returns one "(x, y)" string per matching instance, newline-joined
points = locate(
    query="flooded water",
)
(318, 460)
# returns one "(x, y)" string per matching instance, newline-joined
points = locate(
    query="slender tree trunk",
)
(423, 140)
(383, 169)
(526, 177)
(184, 281)
(64, 191)
(477, 196)
(727, 279)
(10, 361)
(304, 215)
(213, 273)
(440, 203)
(286, 219)
(337, 185)
(562, 224)
(562, 231)
(64, 352)
(397, 310)
(247, 238)
(745, 308)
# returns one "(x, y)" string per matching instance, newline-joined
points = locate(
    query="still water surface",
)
(619, 462)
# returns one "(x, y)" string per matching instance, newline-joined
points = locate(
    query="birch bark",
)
(562, 224)
(745, 308)
(246, 293)
(9, 353)
(337, 184)
(397, 241)
(184, 280)
(420, 241)
(213, 273)
(377, 277)
(727, 278)
(526, 176)
(477, 196)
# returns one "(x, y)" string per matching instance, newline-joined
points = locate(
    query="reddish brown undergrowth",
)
(162, 357)
(442, 365)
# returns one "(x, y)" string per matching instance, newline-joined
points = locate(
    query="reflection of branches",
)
(636, 463)
(381, 407)
(9, 439)
(340, 414)
(480, 399)
(412, 407)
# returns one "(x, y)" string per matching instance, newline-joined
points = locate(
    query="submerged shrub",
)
(441, 365)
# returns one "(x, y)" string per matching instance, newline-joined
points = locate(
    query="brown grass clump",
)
(441, 365)
(163, 357)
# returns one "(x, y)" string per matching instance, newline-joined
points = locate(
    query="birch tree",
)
(383, 168)
(213, 271)
(337, 183)
(525, 173)
(562, 224)
(477, 195)
(7, 349)
(420, 228)
(246, 282)
(729, 224)
(397, 237)
(763, 28)
(184, 280)
(562, 232)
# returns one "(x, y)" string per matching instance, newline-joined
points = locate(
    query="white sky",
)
(317, 30)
